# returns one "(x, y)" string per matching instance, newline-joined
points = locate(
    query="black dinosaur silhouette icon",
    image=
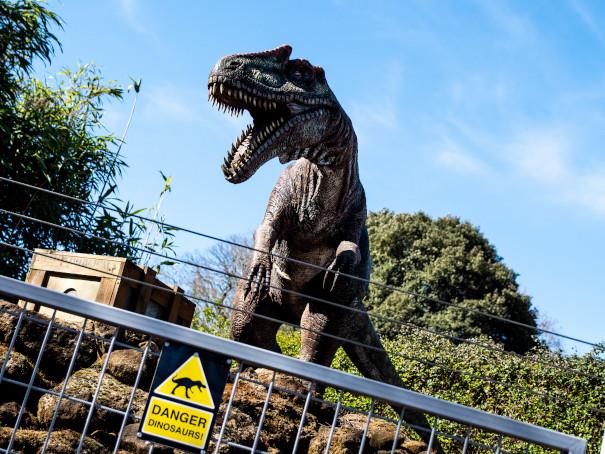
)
(186, 383)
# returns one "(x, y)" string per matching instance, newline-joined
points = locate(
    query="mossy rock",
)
(9, 411)
(61, 442)
(124, 366)
(133, 444)
(60, 346)
(20, 368)
(82, 384)
(282, 418)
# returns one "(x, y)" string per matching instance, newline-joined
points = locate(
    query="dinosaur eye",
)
(300, 74)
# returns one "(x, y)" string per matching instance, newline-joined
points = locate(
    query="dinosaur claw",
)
(334, 281)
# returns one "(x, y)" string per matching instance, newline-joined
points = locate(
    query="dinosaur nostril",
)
(233, 65)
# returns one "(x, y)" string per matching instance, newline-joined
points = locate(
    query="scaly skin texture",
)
(316, 212)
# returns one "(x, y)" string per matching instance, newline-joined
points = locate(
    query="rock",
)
(133, 444)
(61, 441)
(126, 336)
(345, 440)
(381, 434)
(60, 346)
(19, 368)
(281, 419)
(106, 439)
(9, 412)
(283, 381)
(82, 384)
(124, 365)
(414, 447)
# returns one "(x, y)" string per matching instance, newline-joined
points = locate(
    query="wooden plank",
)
(82, 264)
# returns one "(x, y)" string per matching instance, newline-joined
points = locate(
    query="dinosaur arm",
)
(348, 253)
(265, 236)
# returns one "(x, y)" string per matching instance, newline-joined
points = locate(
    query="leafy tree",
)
(52, 136)
(449, 260)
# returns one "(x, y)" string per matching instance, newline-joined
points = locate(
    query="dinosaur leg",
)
(255, 330)
(375, 363)
(355, 326)
(316, 347)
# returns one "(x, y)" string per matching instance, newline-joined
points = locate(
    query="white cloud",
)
(132, 14)
(588, 19)
(460, 162)
(377, 110)
(454, 158)
(541, 154)
(166, 100)
(589, 191)
(545, 156)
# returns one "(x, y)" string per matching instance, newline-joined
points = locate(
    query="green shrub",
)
(559, 400)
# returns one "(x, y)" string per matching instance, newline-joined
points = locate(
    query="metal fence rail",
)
(458, 428)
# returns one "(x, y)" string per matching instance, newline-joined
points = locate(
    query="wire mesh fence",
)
(82, 386)
(336, 410)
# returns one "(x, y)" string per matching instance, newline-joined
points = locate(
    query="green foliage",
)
(52, 136)
(25, 35)
(458, 381)
(449, 260)
(211, 321)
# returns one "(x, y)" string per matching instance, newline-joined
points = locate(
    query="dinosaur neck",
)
(333, 168)
(338, 157)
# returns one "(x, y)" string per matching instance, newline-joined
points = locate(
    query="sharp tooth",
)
(228, 91)
(245, 98)
(274, 105)
(254, 102)
(221, 88)
(215, 89)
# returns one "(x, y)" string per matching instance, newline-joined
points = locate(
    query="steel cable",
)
(313, 298)
(311, 265)
(332, 336)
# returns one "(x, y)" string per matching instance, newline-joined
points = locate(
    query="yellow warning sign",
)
(176, 422)
(188, 383)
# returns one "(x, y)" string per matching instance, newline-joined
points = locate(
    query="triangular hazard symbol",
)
(188, 383)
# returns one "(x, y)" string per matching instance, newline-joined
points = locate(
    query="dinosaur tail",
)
(374, 363)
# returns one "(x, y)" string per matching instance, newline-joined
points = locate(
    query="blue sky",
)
(493, 111)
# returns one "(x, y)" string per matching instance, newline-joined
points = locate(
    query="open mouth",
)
(273, 114)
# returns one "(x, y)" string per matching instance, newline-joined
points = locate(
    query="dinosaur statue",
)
(316, 212)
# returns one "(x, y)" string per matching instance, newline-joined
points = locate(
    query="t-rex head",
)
(294, 111)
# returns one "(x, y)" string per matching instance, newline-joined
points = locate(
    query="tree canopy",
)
(52, 137)
(448, 260)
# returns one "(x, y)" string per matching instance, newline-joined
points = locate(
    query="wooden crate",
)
(100, 278)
